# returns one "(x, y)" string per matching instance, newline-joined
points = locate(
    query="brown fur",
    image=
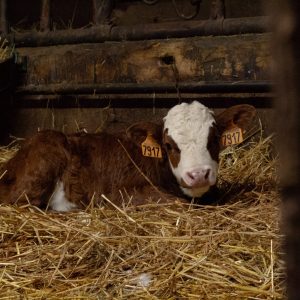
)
(100, 165)
(172, 149)
(88, 164)
(33, 172)
(213, 143)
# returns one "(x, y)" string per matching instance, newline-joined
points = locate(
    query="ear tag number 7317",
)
(151, 148)
(231, 137)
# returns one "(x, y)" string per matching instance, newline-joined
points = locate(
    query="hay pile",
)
(231, 251)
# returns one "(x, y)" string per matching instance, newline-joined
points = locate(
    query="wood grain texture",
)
(231, 58)
(286, 47)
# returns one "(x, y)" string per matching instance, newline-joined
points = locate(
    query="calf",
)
(179, 157)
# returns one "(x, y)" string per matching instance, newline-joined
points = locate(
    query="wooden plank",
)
(189, 60)
(217, 9)
(287, 70)
(102, 10)
(3, 17)
(45, 16)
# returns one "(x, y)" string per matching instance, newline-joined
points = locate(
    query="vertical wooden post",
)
(45, 16)
(102, 10)
(286, 49)
(3, 17)
(217, 9)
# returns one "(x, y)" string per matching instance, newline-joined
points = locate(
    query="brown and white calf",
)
(64, 172)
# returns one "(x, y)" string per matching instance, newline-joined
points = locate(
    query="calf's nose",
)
(198, 177)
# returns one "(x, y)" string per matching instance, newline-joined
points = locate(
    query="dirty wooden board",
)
(231, 58)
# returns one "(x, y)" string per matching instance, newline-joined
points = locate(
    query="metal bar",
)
(115, 88)
(104, 33)
(3, 17)
(45, 16)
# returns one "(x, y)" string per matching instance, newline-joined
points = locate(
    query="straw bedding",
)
(226, 251)
(6, 50)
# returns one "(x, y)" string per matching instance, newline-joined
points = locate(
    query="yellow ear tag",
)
(232, 136)
(151, 148)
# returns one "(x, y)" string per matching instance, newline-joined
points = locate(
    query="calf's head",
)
(191, 137)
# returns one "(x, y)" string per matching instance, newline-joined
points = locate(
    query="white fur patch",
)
(58, 201)
(188, 125)
(196, 192)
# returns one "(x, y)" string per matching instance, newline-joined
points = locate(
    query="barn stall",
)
(102, 65)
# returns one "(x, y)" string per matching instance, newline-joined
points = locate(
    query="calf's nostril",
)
(190, 175)
(207, 174)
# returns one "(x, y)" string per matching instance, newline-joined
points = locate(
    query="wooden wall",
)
(70, 86)
(77, 14)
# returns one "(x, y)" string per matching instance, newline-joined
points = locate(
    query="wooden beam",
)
(216, 87)
(260, 100)
(217, 9)
(102, 11)
(286, 48)
(196, 60)
(3, 17)
(45, 16)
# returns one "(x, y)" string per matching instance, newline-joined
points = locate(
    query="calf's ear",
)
(138, 132)
(239, 115)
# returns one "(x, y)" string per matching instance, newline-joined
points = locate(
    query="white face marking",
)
(58, 201)
(189, 125)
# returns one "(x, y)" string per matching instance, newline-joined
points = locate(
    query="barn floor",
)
(227, 251)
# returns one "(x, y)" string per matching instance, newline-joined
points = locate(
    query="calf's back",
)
(85, 166)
